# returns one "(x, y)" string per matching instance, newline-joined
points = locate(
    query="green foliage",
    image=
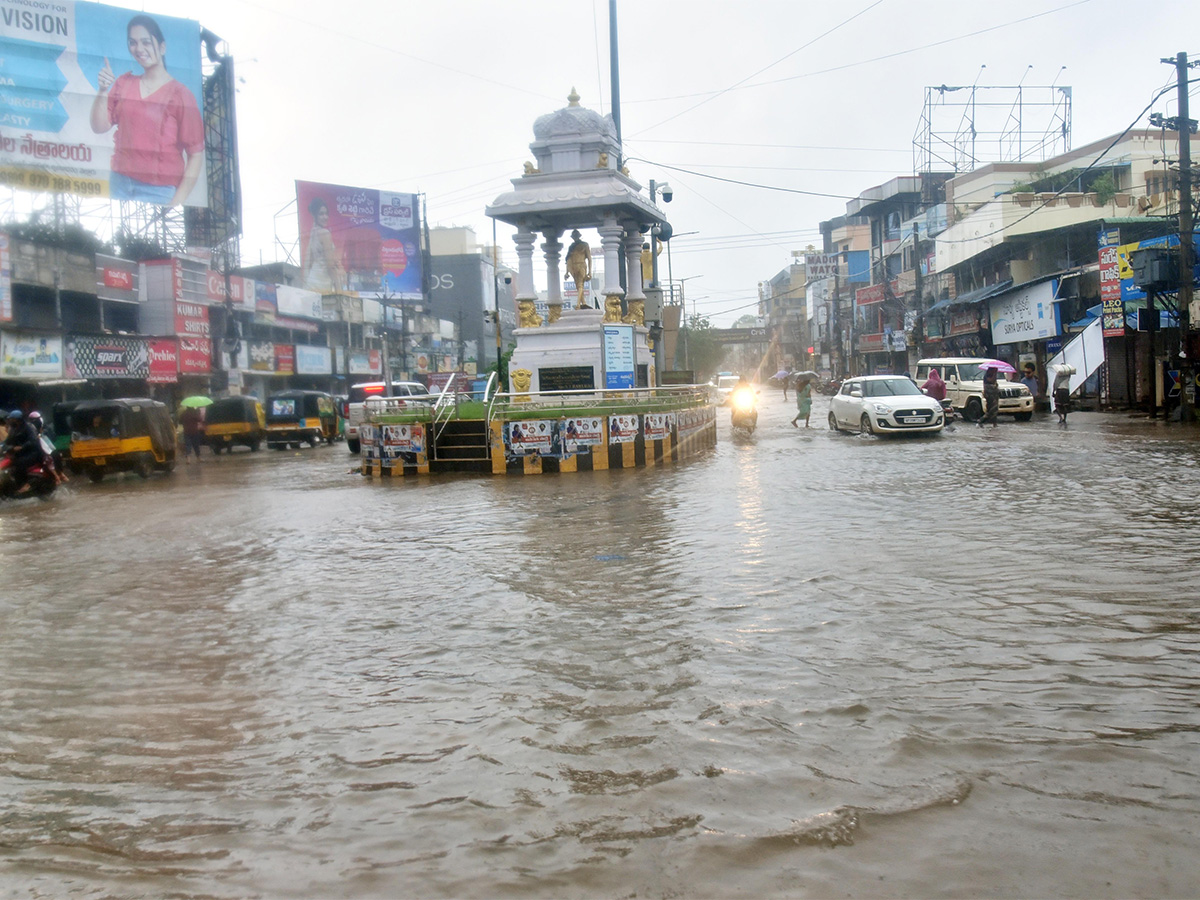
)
(139, 248)
(505, 358)
(704, 353)
(747, 321)
(73, 237)
(1105, 187)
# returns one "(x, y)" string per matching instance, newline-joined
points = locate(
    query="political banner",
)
(359, 241)
(89, 106)
(622, 429)
(528, 437)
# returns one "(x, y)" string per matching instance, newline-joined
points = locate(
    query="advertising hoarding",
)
(119, 356)
(30, 356)
(313, 360)
(1029, 314)
(144, 140)
(821, 265)
(359, 240)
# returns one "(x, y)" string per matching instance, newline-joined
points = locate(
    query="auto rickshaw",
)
(60, 422)
(297, 416)
(133, 434)
(234, 420)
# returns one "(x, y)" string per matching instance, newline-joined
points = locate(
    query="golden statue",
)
(521, 379)
(531, 169)
(612, 308)
(648, 261)
(554, 313)
(579, 266)
(527, 316)
(636, 314)
(602, 162)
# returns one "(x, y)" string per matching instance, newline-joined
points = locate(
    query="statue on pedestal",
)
(579, 266)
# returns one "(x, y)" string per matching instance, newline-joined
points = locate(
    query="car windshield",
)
(970, 372)
(889, 387)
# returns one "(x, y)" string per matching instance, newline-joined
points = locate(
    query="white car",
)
(402, 391)
(884, 404)
(723, 385)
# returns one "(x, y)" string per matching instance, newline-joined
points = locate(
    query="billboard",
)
(112, 356)
(359, 241)
(89, 106)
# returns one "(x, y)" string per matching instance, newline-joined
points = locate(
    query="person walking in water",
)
(803, 402)
(991, 396)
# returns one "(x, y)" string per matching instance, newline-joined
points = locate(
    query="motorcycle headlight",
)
(743, 400)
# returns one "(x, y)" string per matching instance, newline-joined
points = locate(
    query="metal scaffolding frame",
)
(964, 126)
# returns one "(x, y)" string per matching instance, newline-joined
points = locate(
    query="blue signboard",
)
(618, 357)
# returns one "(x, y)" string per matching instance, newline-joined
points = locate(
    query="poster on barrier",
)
(622, 429)
(577, 434)
(528, 437)
(658, 426)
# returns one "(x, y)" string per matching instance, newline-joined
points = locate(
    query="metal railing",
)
(525, 402)
(445, 407)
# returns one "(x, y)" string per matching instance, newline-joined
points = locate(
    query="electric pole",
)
(1187, 250)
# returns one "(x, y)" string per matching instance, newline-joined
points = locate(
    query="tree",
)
(704, 352)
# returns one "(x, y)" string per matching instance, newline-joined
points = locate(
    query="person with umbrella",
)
(991, 395)
(804, 383)
(192, 421)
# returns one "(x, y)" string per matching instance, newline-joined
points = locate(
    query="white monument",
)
(573, 187)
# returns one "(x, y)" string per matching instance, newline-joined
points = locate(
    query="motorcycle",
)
(744, 414)
(40, 478)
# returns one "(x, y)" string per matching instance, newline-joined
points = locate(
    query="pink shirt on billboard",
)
(154, 132)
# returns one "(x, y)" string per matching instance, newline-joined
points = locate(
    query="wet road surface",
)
(803, 665)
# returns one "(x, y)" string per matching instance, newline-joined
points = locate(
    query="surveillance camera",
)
(667, 193)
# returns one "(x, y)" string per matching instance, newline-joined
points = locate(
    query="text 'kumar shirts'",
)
(153, 132)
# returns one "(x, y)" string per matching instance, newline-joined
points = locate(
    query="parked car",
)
(964, 388)
(403, 391)
(884, 404)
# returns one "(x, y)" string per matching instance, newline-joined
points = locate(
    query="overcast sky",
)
(439, 97)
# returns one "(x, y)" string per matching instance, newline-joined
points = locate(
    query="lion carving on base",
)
(612, 308)
(527, 316)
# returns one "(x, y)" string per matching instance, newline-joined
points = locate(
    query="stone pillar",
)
(553, 250)
(526, 292)
(635, 299)
(610, 241)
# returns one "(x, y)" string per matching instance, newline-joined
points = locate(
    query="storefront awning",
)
(971, 298)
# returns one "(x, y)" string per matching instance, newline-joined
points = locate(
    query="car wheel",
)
(254, 445)
(96, 475)
(1023, 417)
(352, 445)
(864, 425)
(833, 425)
(143, 467)
(973, 411)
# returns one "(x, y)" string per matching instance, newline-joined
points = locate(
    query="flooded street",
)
(805, 664)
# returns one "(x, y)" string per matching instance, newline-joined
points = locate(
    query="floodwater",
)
(803, 665)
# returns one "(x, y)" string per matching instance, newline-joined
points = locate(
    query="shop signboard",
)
(100, 357)
(293, 301)
(261, 356)
(195, 342)
(964, 321)
(1028, 314)
(875, 293)
(366, 362)
(30, 356)
(285, 359)
(313, 360)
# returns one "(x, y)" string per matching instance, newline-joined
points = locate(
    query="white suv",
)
(406, 391)
(964, 387)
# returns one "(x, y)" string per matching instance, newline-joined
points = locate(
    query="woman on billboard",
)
(323, 269)
(158, 150)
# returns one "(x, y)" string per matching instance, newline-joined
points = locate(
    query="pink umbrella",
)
(997, 364)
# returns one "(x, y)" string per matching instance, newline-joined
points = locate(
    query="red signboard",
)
(118, 278)
(285, 359)
(964, 322)
(1113, 308)
(195, 344)
(876, 293)
(163, 362)
(870, 343)
(216, 288)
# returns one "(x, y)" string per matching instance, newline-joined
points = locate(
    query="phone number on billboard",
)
(41, 181)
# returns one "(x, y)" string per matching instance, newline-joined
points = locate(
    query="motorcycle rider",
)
(24, 446)
(46, 442)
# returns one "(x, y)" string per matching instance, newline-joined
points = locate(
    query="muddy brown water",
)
(803, 665)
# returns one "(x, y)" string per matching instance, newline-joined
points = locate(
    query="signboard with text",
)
(75, 117)
(619, 369)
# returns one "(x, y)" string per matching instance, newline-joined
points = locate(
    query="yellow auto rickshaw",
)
(300, 416)
(234, 420)
(126, 435)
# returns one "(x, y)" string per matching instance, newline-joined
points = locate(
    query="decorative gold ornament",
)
(527, 314)
(636, 314)
(612, 308)
(531, 169)
(602, 162)
(554, 313)
(521, 379)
